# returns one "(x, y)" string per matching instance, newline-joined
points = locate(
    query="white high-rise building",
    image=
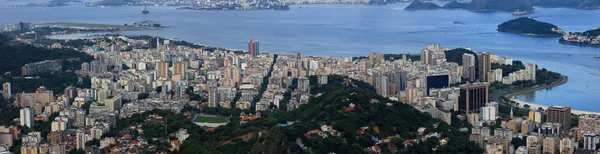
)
(488, 113)
(531, 69)
(26, 117)
(59, 124)
(81, 138)
(589, 141)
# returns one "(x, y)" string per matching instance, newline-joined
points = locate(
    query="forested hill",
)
(418, 5)
(347, 106)
(528, 26)
(593, 32)
(14, 54)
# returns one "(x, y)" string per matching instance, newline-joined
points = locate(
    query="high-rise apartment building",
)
(163, 69)
(26, 117)
(303, 84)
(531, 69)
(589, 141)
(212, 97)
(485, 65)
(468, 64)
(253, 48)
(560, 114)
(473, 96)
(381, 85)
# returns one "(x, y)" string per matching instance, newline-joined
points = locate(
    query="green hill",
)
(380, 117)
(455, 5)
(528, 26)
(14, 55)
(418, 5)
(593, 32)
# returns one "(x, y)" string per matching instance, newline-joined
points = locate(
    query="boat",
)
(145, 10)
(520, 13)
(457, 22)
(598, 54)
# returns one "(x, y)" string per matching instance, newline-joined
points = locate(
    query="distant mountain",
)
(500, 5)
(418, 5)
(577, 4)
(528, 26)
(477, 5)
(455, 5)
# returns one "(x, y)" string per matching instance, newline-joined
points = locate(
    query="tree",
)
(95, 142)
(517, 142)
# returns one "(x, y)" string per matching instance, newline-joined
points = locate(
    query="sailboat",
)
(598, 54)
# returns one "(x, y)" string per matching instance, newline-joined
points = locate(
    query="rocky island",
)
(531, 27)
(418, 5)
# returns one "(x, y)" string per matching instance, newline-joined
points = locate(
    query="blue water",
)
(353, 30)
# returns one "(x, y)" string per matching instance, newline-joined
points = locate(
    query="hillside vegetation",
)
(14, 54)
(528, 26)
(379, 117)
(418, 5)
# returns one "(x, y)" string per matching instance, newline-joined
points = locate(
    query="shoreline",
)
(545, 107)
(522, 103)
(562, 41)
(529, 34)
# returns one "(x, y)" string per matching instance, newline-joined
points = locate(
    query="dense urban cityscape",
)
(106, 92)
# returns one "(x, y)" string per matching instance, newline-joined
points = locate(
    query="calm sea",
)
(355, 30)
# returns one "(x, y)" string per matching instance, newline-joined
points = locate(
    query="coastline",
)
(529, 34)
(535, 106)
(521, 103)
(562, 41)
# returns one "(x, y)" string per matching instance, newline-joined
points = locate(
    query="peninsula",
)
(530, 27)
(588, 38)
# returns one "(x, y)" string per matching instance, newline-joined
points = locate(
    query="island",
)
(588, 38)
(530, 27)
(477, 5)
(418, 5)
